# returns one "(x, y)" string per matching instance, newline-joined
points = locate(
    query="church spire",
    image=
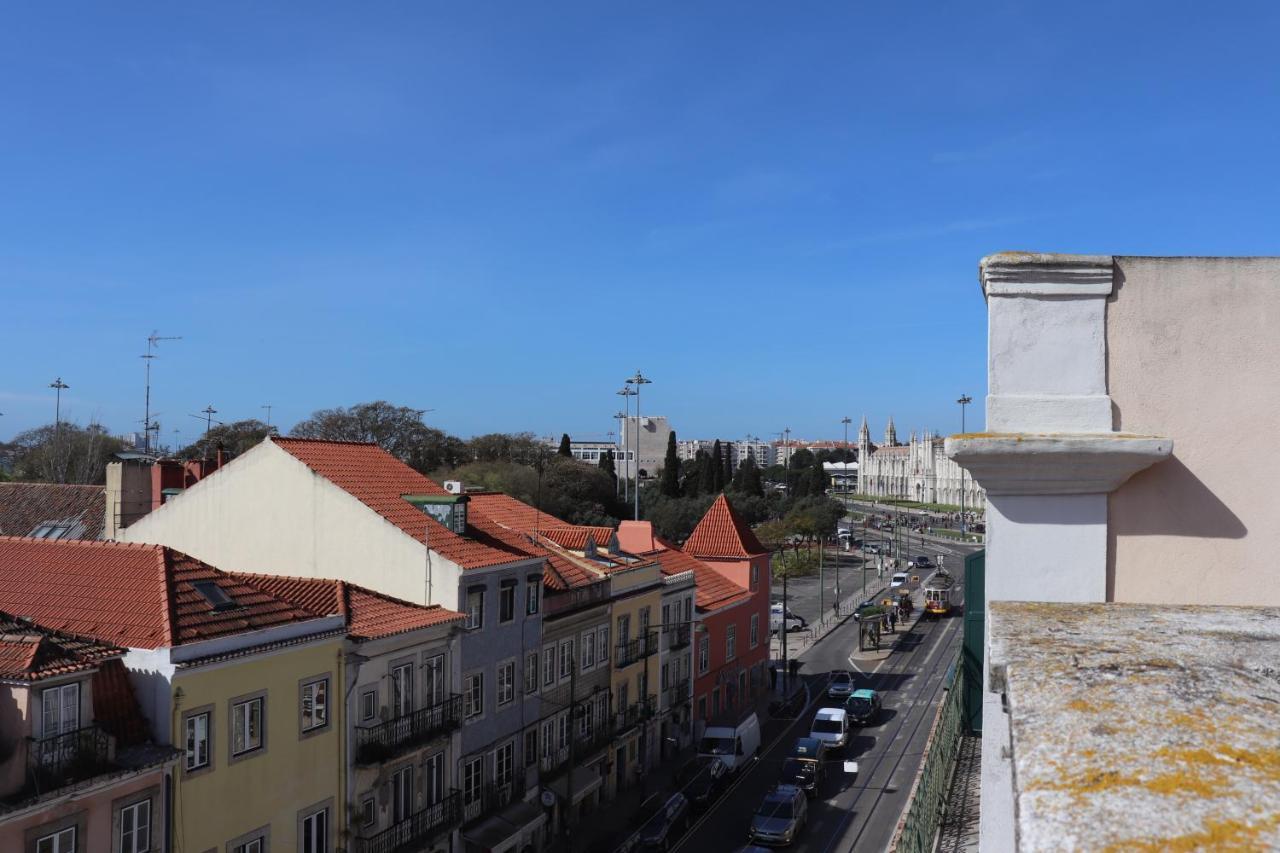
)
(864, 434)
(890, 434)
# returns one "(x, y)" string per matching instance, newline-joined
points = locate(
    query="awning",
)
(504, 827)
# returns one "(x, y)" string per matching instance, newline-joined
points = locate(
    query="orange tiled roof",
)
(379, 481)
(574, 537)
(514, 514)
(26, 506)
(369, 614)
(714, 590)
(723, 533)
(559, 572)
(138, 596)
(30, 652)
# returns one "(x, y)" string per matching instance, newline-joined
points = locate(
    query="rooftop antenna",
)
(206, 415)
(268, 408)
(153, 341)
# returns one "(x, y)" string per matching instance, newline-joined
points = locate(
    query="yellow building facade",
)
(635, 613)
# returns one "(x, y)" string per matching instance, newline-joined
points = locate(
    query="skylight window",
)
(215, 595)
(50, 531)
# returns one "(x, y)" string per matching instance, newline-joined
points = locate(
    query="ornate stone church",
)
(918, 470)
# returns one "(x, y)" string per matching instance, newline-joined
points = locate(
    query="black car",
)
(805, 767)
(667, 816)
(706, 777)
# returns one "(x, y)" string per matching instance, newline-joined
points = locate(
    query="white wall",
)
(268, 513)
(151, 674)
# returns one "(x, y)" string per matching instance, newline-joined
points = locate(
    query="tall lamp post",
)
(637, 381)
(846, 420)
(964, 400)
(58, 386)
(626, 394)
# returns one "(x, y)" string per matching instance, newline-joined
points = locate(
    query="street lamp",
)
(964, 400)
(637, 381)
(846, 420)
(626, 394)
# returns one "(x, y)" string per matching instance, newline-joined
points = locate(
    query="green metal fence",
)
(919, 824)
(975, 615)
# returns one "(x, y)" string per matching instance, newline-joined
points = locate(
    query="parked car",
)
(706, 777)
(831, 725)
(667, 816)
(780, 817)
(735, 744)
(776, 609)
(863, 707)
(899, 579)
(806, 766)
(840, 686)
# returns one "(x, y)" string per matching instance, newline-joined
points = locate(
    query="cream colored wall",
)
(1193, 353)
(95, 803)
(292, 773)
(266, 512)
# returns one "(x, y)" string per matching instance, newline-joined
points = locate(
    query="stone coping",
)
(1141, 727)
(1055, 463)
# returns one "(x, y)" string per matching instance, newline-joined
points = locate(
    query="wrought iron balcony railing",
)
(490, 797)
(636, 650)
(394, 737)
(679, 637)
(61, 760)
(634, 714)
(557, 761)
(677, 694)
(417, 830)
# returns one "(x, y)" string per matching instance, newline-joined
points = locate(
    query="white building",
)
(916, 471)
(651, 449)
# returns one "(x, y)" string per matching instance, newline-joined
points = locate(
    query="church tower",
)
(864, 439)
(890, 434)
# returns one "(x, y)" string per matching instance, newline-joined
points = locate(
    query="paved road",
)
(850, 812)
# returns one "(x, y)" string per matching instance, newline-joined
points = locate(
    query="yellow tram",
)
(939, 593)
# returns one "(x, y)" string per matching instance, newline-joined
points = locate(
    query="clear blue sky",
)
(500, 211)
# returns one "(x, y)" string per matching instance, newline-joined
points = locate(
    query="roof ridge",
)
(275, 439)
(99, 543)
(30, 484)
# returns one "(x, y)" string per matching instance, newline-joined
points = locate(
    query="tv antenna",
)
(153, 341)
(206, 415)
(268, 407)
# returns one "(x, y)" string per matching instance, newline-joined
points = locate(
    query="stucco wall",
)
(1193, 353)
(93, 811)
(266, 512)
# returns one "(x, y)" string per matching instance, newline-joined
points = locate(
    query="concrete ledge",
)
(1044, 274)
(1079, 413)
(1139, 727)
(1055, 463)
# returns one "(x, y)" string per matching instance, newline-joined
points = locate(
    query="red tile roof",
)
(559, 572)
(575, 537)
(115, 706)
(514, 514)
(714, 590)
(29, 652)
(379, 481)
(24, 507)
(138, 596)
(722, 533)
(369, 614)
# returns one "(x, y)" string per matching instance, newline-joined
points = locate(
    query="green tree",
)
(747, 479)
(64, 453)
(234, 438)
(670, 485)
(606, 464)
(706, 475)
(674, 518)
(398, 430)
(503, 447)
(728, 466)
(566, 447)
(717, 468)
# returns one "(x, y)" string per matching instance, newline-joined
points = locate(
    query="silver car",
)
(780, 817)
(841, 685)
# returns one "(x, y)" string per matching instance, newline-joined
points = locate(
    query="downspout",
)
(171, 789)
(426, 540)
(347, 798)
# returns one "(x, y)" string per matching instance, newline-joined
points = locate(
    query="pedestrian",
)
(893, 619)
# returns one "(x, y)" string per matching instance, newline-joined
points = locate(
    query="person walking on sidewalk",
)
(893, 619)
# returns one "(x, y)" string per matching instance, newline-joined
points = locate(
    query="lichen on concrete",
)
(1141, 727)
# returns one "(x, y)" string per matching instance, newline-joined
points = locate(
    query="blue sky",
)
(500, 211)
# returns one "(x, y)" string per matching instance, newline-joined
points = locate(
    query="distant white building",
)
(649, 452)
(739, 451)
(917, 471)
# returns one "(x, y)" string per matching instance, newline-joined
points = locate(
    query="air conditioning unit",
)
(454, 487)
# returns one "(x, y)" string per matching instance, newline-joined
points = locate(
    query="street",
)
(852, 812)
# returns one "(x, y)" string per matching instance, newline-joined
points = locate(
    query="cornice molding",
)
(1044, 274)
(1055, 463)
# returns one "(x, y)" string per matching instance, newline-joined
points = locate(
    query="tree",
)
(670, 485)
(566, 448)
(503, 447)
(606, 465)
(747, 479)
(728, 466)
(706, 475)
(717, 468)
(817, 480)
(64, 453)
(674, 518)
(396, 429)
(234, 438)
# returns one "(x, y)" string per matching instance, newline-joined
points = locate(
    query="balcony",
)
(677, 694)
(634, 714)
(491, 797)
(418, 830)
(557, 761)
(679, 637)
(636, 650)
(384, 741)
(61, 760)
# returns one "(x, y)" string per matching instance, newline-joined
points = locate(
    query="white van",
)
(735, 745)
(831, 725)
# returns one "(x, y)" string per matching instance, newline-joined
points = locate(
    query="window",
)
(731, 643)
(755, 630)
(61, 709)
(566, 658)
(688, 609)
(368, 705)
(402, 690)
(755, 577)
(433, 689)
(644, 621)
(197, 741)
(548, 666)
(704, 655)
(603, 643)
(532, 595)
(666, 618)
(368, 812)
(433, 778)
(588, 651)
(530, 747)
(562, 729)
(473, 695)
(472, 779)
(246, 726)
(507, 601)
(475, 607)
(664, 676)
(624, 629)
(402, 794)
(504, 763)
(315, 833)
(315, 704)
(506, 683)
(255, 845)
(50, 531)
(531, 672)
(62, 841)
(214, 595)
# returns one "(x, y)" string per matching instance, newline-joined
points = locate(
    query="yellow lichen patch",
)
(1224, 835)
(1090, 706)
(1089, 782)
(1199, 784)
(1264, 760)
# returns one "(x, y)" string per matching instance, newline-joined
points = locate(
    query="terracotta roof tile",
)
(723, 533)
(138, 596)
(369, 614)
(560, 572)
(714, 590)
(379, 481)
(29, 651)
(25, 507)
(115, 705)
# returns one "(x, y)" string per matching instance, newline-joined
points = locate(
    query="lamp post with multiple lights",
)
(626, 394)
(964, 400)
(637, 381)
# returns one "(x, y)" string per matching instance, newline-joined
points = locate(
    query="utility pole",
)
(206, 415)
(153, 341)
(268, 407)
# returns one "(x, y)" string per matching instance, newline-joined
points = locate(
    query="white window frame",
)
(564, 658)
(531, 672)
(368, 711)
(603, 634)
(402, 794)
(533, 595)
(320, 822)
(253, 845)
(402, 689)
(506, 682)
(242, 727)
(64, 703)
(730, 643)
(472, 779)
(62, 841)
(549, 666)
(192, 724)
(433, 786)
(435, 681)
(504, 755)
(472, 698)
(475, 609)
(704, 655)
(319, 689)
(137, 837)
(588, 656)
